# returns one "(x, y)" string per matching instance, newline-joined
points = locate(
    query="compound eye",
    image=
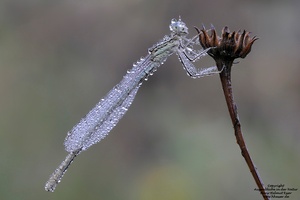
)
(173, 25)
(178, 27)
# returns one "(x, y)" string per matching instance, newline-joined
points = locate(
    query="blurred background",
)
(59, 58)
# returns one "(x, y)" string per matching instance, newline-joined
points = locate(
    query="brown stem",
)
(225, 77)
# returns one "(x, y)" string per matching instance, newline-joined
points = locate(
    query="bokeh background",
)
(59, 58)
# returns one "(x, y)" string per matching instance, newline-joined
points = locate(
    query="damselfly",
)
(106, 114)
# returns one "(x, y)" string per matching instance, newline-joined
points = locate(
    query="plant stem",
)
(225, 77)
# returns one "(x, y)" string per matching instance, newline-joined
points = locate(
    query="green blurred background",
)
(59, 58)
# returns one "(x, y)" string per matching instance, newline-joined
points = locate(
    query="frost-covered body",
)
(106, 114)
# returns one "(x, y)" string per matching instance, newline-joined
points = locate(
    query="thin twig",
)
(225, 77)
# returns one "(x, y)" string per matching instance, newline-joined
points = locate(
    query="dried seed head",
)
(229, 46)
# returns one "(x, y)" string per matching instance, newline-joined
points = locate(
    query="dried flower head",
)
(224, 50)
(229, 46)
